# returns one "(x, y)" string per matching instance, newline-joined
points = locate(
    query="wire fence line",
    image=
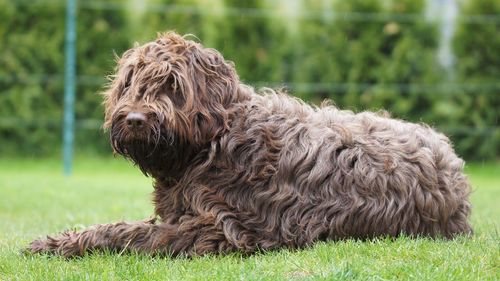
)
(266, 12)
(270, 13)
(491, 87)
(100, 82)
(97, 124)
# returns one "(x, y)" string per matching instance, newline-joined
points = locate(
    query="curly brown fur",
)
(236, 170)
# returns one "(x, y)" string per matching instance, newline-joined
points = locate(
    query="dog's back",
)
(316, 173)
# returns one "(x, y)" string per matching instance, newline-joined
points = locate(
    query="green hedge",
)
(385, 58)
(477, 50)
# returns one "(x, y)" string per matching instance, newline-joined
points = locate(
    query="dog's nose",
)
(135, 120)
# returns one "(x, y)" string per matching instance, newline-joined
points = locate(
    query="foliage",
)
(362, 54)
(377, 62)
(31, 79)
(477, 50)
(30, 62)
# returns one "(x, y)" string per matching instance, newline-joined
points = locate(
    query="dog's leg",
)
(194, 236)
(211, 227)
(138, 236)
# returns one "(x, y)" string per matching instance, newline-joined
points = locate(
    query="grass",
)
(35, 199)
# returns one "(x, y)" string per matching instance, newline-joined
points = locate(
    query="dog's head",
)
(167, 95)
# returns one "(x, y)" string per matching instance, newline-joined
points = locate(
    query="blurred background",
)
(433, 61)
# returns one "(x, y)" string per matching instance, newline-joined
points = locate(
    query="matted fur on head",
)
(180, 89)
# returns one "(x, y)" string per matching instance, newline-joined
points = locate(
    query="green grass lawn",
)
(35, 199)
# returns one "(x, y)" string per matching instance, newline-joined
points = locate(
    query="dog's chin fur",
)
(151, 154)
(142, 154)
(237, 170)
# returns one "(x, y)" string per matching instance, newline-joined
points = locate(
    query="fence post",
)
(69, 86)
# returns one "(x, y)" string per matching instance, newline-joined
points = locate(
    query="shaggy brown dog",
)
(239, 171)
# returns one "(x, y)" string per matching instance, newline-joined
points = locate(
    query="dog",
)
(237, 170)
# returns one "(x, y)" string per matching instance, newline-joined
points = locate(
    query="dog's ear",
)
(214, 87)
(111, 96)
(118, 84)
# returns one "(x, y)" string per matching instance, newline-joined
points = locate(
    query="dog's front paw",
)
(41, 246)
(65, 245)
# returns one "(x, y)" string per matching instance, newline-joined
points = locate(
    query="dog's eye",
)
(170, 83)
(177, 99)
(172, 90)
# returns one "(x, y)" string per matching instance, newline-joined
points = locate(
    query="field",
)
(35, 199)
